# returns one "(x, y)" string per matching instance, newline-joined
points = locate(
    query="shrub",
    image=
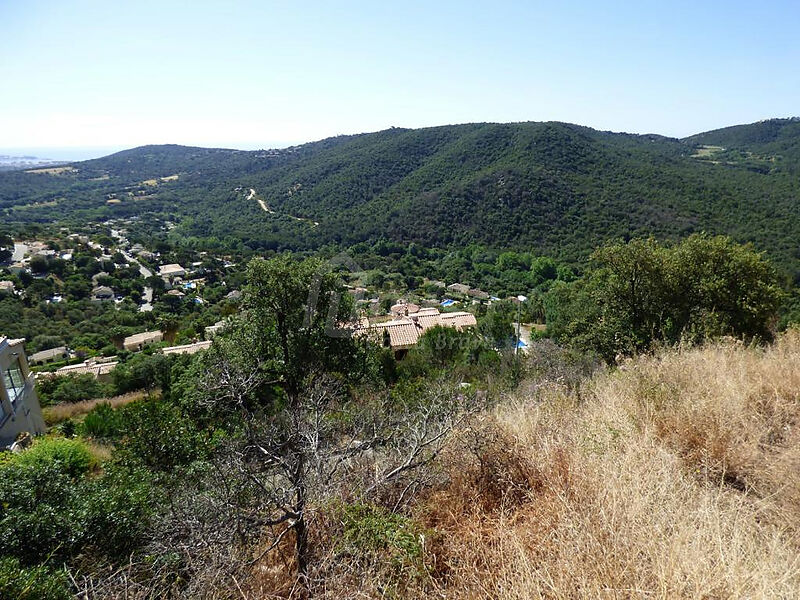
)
(102, 422)
(36, 583)
(48, 513)
(116, 509)
(373, 532)
(158, 435)
(71, 457)
(38, 516)
(142, 371)
(71, 388)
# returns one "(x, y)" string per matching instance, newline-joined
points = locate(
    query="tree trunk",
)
(301, 555)
(301, 529)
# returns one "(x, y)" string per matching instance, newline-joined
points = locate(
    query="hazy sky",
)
(260, 74)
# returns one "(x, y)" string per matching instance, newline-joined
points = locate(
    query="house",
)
(171, 271)
(234, 295)
(99, 368)
(479, 294)
(404, 332)
(404, 308)
(139, 341)
(19, 406)
(7, 287)
(176, 293)
(188, 348)
(458, 288)
(459, 320)
(399, 335)
(48, 356)
(102, 292)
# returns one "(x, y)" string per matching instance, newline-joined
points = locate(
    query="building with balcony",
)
(19, 405)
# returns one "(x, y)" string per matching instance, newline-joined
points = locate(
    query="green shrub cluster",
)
(34, 583)
(52, 507)
(642, 292)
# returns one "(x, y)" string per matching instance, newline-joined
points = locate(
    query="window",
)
(13, 380)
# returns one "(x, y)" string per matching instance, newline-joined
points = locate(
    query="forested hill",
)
(756, 136)
(554, 188)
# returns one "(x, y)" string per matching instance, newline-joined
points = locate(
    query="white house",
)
(19, 406)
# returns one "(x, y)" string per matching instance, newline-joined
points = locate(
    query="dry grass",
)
(61, 412)
(53, 170)
(677, 476)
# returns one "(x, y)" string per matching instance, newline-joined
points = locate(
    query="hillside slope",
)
(675, 477)
(555, 188)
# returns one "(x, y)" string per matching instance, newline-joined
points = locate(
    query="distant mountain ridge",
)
(554, 188)
(761, 132)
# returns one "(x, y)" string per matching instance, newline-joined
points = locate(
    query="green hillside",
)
(553, 188)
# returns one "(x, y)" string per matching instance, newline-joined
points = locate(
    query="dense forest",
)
(554, 189)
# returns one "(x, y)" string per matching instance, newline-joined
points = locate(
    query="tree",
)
(38, 264)
(496, 326)
(640, 292)
(280, 375)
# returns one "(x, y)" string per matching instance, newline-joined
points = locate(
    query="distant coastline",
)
(61, 154)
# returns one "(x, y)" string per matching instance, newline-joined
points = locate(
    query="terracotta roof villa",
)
(50, 355)
(173, 270)
(100, 370)
(140, 340)
(403, 333)
(188, 348)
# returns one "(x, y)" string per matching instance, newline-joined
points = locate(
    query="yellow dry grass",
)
(677, 476)
(53, 170)
(69, 410)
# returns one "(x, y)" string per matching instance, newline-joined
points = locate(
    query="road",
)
(261, 203)
(147, 293)
(267, 209)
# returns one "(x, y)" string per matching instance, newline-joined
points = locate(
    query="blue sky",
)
(261, 74)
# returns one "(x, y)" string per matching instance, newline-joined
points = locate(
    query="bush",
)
(158, 435)
(71, 388)
(642, 292)
(39, 516)
(374, 534)
(142, 371)
(71, 457)
(36, 583)
(116, 511)
(102, 422)
(46, 512)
